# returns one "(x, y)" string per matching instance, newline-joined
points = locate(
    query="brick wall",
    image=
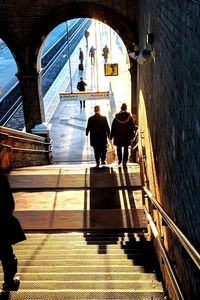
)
(24, 20)
(169, 115)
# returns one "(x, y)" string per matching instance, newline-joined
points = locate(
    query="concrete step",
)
(80, 176)
(83, 268)
(92, 285)
(71, 251)
(83, 295)
(83, 257)
(78, 262)
(73, 276)
(83, 247)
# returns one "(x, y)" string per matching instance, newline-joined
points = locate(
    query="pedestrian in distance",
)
(99, 130)
(86, 34)
(105, 53)
(81, 87)
(81, 57)
(11, 232)
(122, 130)
(92, 55)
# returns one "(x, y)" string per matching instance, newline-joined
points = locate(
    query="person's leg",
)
(125, 155)
(119, 154)
(103, 154)
(83, 103)
(9, 265)
(97, 155)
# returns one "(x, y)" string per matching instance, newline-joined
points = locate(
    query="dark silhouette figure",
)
(99, 131)
(86, 34)
(105, 53)
(122, 130)
(92, 55)
(81, 87)
(81, 57)
(10, 233)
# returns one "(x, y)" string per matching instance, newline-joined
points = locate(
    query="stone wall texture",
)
(169, 116)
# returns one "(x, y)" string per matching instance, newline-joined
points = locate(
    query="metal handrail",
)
(182, 238)
(169, 269)
(184, 241)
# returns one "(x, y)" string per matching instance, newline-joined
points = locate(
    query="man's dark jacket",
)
(99, 130)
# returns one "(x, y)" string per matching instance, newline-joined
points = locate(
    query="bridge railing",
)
(21, 149)
(192, 252)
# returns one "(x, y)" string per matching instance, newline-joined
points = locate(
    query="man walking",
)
(105, 53)
(86, 33)
(99, 131)
(92, 55)
(81, 57)
(81, 87)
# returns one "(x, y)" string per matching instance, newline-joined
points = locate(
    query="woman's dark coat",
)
(10, 228)
(122, 129)
(99, 130)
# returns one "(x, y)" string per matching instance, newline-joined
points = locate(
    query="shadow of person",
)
(105, 213)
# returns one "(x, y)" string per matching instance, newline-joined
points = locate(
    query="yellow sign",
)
(111, 69)
(81, 96)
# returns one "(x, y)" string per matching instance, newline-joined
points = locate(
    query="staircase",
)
(87, 234)
(86, 266)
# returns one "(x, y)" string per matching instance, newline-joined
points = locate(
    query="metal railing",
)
(179, 234)
(193, 253)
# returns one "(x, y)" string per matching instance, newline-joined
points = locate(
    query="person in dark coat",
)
(92, 55)
(122, 130)
(86, 34)
(81, 87)
(81, 56)
(99, 131)
(105, 53)
(8, 235)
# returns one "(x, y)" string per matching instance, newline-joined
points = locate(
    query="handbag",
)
(110, 154)
(15, 233)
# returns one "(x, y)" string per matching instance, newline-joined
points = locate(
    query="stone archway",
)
(61, 14)
(30, 23)
(127, 32)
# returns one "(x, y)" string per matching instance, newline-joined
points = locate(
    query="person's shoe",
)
(103, 162)
(97, 165)
(11, 286)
